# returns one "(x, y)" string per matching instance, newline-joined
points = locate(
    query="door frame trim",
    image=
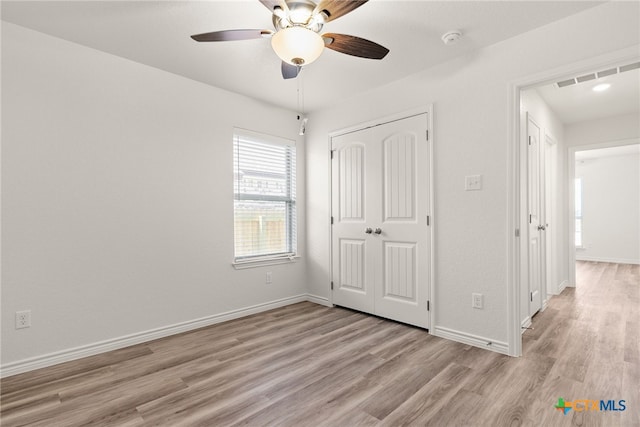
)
(514, 149)
(551, 287)
(416, 111)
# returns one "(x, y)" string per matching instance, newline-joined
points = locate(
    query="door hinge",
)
(428, 305)
(517, 232)
(529, 218)
(331, 285)
(428, 220)
(529, 139)
(531, 296)
(331, 151)
(427, 134)
(331, 220)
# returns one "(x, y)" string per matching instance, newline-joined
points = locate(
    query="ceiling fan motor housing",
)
(300, 13)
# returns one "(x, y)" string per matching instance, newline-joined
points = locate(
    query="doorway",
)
(605, 199)
(538, 191)
(556, 200)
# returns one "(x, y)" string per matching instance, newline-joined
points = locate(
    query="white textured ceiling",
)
(578, 102)
(157, 33)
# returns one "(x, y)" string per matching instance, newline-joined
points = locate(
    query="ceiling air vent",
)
(566, 83)
(586, 78)
(607, 72)
(629, 67)
(598, 75)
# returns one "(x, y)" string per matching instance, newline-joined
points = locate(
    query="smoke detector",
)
(451, 37)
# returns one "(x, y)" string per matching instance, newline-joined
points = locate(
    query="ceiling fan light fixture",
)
(297, 45)
(277, 11)
(318, 19)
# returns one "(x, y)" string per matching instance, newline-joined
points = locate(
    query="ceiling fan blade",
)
(337, 8)
(271, 4)
(355, 46)
(231, 35)
(289, 71)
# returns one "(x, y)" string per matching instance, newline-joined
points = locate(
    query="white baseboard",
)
(562, 286)
(545, 304)
(605, 259)
(470, 339)
(30, 364)
(319, 300)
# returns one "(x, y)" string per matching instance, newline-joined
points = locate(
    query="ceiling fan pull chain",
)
(301, 80)
(298, 94)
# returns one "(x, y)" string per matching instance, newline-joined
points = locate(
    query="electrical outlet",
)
(269, 278)
(23, 319)
(473, 182)
(477, 300)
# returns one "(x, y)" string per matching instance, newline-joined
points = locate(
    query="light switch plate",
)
(473, 182)
(477, 300)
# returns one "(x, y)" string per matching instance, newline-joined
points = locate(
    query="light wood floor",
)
(308, 365)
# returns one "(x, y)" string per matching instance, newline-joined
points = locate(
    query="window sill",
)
(263, 262)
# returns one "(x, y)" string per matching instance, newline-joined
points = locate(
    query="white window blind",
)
(265, 196)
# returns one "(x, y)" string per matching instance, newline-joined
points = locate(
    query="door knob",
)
(378, 230)
(368, 230)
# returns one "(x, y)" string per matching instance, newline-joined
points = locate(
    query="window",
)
(578, 216)
(264, 197)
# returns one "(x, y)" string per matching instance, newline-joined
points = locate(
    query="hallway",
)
(592, 331)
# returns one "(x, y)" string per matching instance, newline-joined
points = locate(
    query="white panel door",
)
(352, 203)
(381, 259)
(536, 224)
(403, 243)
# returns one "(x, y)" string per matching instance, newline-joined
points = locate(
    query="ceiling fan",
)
(296, 39)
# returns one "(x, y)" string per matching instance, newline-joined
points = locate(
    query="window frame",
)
(290, 200)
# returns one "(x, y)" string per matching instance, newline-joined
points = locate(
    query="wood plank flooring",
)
(308, 365)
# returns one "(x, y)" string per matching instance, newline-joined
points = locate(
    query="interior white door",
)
(536, 224)
(381, 234)
(353, 203)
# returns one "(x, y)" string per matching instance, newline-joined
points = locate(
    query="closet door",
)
(380, 232)
(354, 202)
(402, 247)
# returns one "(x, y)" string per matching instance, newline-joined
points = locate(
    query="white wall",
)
(470, 97)
(557, 259)
(610, 209)
(117, 197)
